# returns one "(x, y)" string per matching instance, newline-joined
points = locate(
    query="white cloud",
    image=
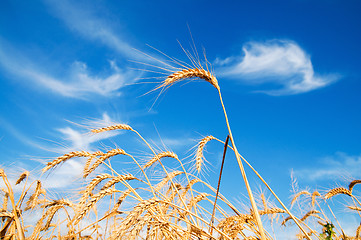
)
(83, 20)
(280, 62)
(76, 82)
(82, 141)
(340, 166)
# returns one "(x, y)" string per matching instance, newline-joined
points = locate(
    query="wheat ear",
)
(113, 127)
(158, 157)
(90, 159)
(313, 197)
(190, 73)
(89, 188)
(117, 179)
(310, 213)
(305, 192)
(64, 158)
(91, 203)
(336, 191)
(353, 183)
(199, 154)
(169, 177)
(22, 177)
(101, 159)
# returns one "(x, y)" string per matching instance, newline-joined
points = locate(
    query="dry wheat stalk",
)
(31, 203)
(50, 214)
(167, 178)
(6, 199)
(271, 211)
(189, 185)
(251, 238)
(190, 73)
(90, 204)
(5, 214)
(133, 217)
(160, 156)
(336, 191)
(264, 202)
(61, 202)
(358, 231)
(234, 225)
(313, 198)
(199, 154)
(310, 213)
(353, 183)
(304, 192)
(64, 158)
(90, 159)
(197, 199)
(113, 127)
(286, 220)
(105, 156)
(354, 208)
(89, 188)
(121, 199)
(117, 179)
(22, 177)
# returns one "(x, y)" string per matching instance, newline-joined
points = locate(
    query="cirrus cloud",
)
(280, 62)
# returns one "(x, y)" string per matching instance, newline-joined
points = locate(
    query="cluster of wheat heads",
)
(315, 209)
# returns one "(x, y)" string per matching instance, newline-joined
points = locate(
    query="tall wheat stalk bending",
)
(207, 76)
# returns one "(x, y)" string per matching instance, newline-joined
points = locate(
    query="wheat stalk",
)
(355, 208)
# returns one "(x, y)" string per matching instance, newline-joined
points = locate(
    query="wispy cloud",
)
(85, 22)
(77, 140)
(280, 62)
(339, 166)
(76, 82)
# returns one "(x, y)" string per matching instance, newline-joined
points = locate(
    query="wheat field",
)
(179, 205)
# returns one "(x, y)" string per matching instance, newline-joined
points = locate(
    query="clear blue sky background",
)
(289, 72)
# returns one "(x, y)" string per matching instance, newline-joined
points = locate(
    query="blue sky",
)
(289, 72)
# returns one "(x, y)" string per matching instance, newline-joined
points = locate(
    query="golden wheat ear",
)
(199, 154)
(113, 127)
(190, 73)
(353, 183)
(336, 191)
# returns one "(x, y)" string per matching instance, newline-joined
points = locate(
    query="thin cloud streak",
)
(339, 166)
(280, 62)
(78, 82)
(80, 141)
(85, 23)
